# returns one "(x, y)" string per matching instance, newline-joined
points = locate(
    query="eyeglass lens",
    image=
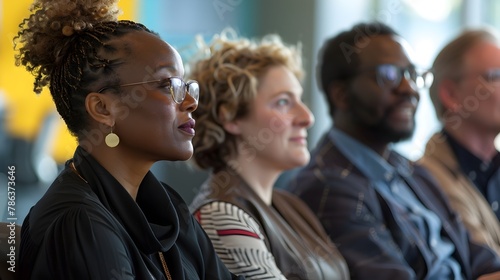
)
(389, 75)
(179, 88)
(493, 76)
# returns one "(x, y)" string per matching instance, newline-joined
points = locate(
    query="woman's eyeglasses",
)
(176, 86)
(390, 76)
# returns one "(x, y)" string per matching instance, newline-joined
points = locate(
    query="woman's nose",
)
(304, 116)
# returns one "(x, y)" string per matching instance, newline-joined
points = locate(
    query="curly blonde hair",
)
(59, 44)
(228, 80)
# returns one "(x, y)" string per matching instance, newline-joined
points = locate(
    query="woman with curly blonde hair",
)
(121, 92)
(252, 126)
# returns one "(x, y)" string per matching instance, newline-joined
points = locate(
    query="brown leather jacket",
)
(294, 236)
(464, 197)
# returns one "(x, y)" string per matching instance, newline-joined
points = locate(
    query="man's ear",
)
(447, 93)
(337, 92)
(100, 107)
(228, 122)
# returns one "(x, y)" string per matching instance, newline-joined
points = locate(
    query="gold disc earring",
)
(112, 140)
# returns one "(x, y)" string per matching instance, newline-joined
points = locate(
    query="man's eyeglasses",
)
(390, 76)
(491, 76)
(176, 86)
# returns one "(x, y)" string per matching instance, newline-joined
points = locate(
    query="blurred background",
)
(33, 137)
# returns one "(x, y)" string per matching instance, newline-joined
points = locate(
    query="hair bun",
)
(69, 17)
(48, 31)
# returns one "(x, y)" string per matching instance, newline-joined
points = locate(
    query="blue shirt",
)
(390, 182)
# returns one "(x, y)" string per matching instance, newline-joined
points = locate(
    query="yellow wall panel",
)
(26, 111)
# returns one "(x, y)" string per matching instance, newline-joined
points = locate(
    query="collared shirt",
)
(478, 171)
(390, 182)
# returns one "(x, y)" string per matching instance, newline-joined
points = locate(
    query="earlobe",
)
(98, 106)
(337, 93)
(447, 95)
(228, 122)
(232, 127)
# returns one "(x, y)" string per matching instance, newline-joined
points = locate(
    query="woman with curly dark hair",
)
(121, 92)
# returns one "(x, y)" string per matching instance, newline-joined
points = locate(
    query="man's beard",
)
(388, 133)
(382, 127)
